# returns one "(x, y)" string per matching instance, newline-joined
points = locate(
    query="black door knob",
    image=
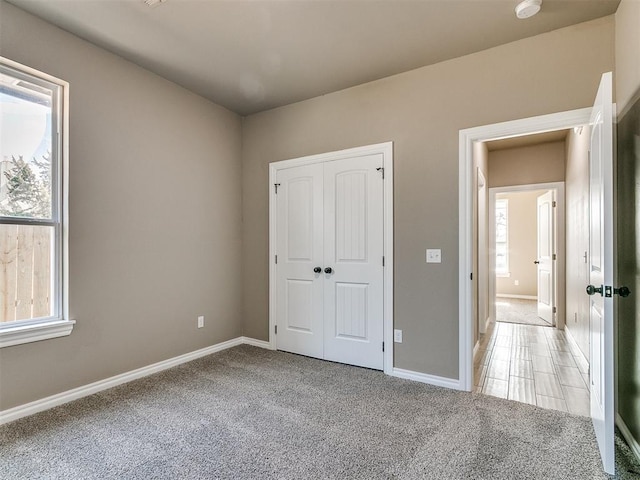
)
(591, 290)
(622, 291)
(317, 270)
(328, 270)
(536, 262)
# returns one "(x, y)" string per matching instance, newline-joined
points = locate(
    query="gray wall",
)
(155, 227)
(628, 309)
(421, 111)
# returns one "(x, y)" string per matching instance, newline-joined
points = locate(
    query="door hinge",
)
(276, 185)
(554, 256)
(381, 169)
(471, 276)
(383, 260)
(383, 346)
(276, 259)
(276, 329)
(555, 309)
(553, 204)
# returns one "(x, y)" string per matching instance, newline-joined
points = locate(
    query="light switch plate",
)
(434, 255)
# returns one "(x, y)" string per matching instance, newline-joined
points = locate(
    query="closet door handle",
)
(328, 270)
(317, 270)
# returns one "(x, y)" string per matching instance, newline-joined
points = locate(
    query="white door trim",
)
(543, 123)
(559, 280)
(386, 149)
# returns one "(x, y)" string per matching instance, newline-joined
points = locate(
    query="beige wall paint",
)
(577, 236)
(421, 111)
(155, 227)
(628, 199)
(523, 244)
(627, 40)
(542, 163)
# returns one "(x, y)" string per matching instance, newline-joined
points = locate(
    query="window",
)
(502, 237)
(33, 131)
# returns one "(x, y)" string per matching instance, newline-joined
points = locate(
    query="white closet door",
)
(353, 249)
(299, 300)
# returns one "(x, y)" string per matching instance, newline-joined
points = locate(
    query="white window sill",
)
(34, 332)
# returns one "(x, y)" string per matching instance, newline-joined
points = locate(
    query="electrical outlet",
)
(201, 321)
(397, 336)
(516, 282)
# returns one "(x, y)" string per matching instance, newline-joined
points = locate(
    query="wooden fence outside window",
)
(25, 272)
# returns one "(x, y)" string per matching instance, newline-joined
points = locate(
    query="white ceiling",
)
(252, 55)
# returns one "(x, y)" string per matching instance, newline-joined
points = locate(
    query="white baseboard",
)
(626, 433)
(426, 378)
(522, 297)
(256, 343)
(572, 341)
(46, 403)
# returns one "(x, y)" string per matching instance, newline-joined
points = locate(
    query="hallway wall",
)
(577, 235)
(541, 163)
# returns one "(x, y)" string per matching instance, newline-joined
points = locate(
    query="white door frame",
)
(559, 281)
(386, 150)
(526, 126)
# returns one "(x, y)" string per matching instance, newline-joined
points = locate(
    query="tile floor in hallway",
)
(532, 364)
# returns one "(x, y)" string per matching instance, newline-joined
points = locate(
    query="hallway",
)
(532, 364)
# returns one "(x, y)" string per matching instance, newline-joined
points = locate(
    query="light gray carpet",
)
(248, 413)
(517, 310)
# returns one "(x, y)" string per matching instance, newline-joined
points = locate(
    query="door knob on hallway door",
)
(328, 270)
(317, 270)
(591, 290)
(536, 262)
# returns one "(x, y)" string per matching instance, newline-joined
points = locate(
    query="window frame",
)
(502, 272)
(58, 324)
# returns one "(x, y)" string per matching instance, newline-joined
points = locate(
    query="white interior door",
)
(329, 271)
(545, 261)
(299, 302)
(353, 249)
(601, 272)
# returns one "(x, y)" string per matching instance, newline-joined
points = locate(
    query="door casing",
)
(386, 150)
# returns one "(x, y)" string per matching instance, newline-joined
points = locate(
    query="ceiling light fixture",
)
(528, 8)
